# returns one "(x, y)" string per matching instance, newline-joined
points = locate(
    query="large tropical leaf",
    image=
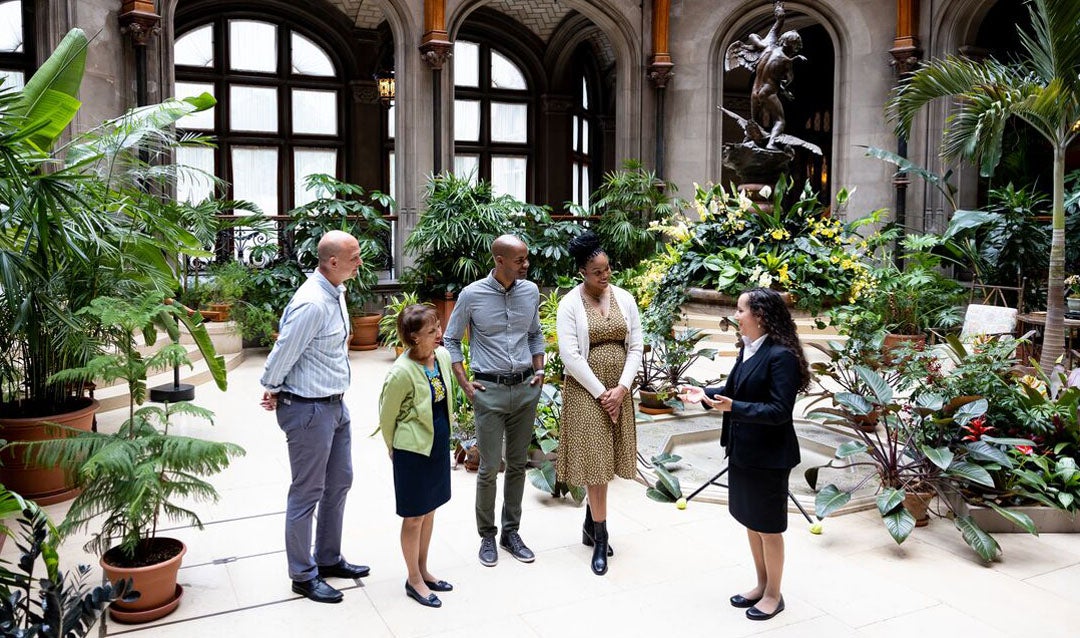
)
(830, 499)
(899, 523)
(983, 544)
(49, 100)
(1021, 520)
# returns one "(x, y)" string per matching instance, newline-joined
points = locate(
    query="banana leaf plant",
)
(918, 447)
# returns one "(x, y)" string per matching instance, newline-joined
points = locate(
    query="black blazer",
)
(758, 431)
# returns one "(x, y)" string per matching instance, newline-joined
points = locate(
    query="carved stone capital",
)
(436, 49)
(660, 72)
(364, 91)
(905, 59)
(140, 25)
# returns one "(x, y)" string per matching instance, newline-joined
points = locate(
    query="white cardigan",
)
(572, 330)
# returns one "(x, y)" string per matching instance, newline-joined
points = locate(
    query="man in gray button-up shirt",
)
(506, 348)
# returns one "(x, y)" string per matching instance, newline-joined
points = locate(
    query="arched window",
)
(279, 114)
(492, 119)
(583, 134)
(15, 44)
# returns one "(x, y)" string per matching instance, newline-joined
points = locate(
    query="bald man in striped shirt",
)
(305, 379)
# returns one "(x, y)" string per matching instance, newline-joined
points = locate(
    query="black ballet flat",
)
(756, 614)
(431, 600)
(439, 585)
(742, 602)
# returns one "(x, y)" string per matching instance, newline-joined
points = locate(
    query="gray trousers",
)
(503, 411)
(320, 455)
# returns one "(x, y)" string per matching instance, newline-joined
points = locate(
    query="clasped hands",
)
(611, 400)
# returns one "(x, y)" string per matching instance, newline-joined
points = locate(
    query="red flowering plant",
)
(923, 443)
(1046, 472)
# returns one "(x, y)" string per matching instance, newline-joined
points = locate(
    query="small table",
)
(1037, 321)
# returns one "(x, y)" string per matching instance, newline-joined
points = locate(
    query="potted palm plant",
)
(75, 223)
(131, 478)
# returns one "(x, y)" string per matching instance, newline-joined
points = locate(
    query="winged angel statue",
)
(772, 60)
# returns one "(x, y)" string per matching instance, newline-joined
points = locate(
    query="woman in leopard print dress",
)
(600, 343)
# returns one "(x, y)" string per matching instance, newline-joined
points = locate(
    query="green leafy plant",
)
(58, 605)
(388, 334)
(1040, 87)
(914, 450)
(801, 247)
(915, 296)
(667, 358)
(76, 223)
(546, 440)
(339, 205)
(666, 488)
(141, 472)
(629, 201)
(451, 242)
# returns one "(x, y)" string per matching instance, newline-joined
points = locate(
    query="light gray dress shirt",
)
(503, 326)
(311, 355)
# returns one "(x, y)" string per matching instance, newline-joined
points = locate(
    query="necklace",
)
(597, 299)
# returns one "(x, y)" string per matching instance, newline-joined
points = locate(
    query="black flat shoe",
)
(439, 585)
(430, 601)
(756, 614)
(742, 602)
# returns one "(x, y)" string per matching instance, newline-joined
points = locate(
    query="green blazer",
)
(405, 403)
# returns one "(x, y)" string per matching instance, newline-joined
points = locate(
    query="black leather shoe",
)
(316, 589)
(742, 602)
(344, 570)
(430, 601)
(511, 542)
(756, 614)
(439, 585)
(489, 555)
(599, 555)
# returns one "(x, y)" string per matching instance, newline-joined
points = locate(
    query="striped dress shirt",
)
(311, 355)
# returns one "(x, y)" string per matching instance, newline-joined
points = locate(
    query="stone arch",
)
(844, 44)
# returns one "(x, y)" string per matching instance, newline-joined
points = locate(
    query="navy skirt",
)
(757, 497)
(422, 483)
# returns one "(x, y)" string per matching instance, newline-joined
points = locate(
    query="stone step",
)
(116, 396)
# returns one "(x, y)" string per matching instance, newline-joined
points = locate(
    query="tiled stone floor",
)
(672, 573)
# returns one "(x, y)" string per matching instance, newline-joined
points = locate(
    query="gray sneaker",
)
(511, 542)
(489, 556)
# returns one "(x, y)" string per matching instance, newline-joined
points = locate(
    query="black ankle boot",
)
(587, 531)
(600, 550)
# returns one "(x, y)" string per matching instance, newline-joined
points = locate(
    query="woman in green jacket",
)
(414, 416)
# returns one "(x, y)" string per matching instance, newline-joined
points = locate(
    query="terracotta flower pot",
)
(918, 503)
(45, 485)
(159, 594)
(365, 332)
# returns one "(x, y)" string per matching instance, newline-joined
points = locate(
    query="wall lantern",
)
(387, 88)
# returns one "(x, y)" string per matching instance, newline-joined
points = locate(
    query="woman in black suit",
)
(759, 437)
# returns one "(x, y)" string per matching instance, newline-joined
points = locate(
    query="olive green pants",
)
(503, 412)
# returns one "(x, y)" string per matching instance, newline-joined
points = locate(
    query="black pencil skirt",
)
(757, 497)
